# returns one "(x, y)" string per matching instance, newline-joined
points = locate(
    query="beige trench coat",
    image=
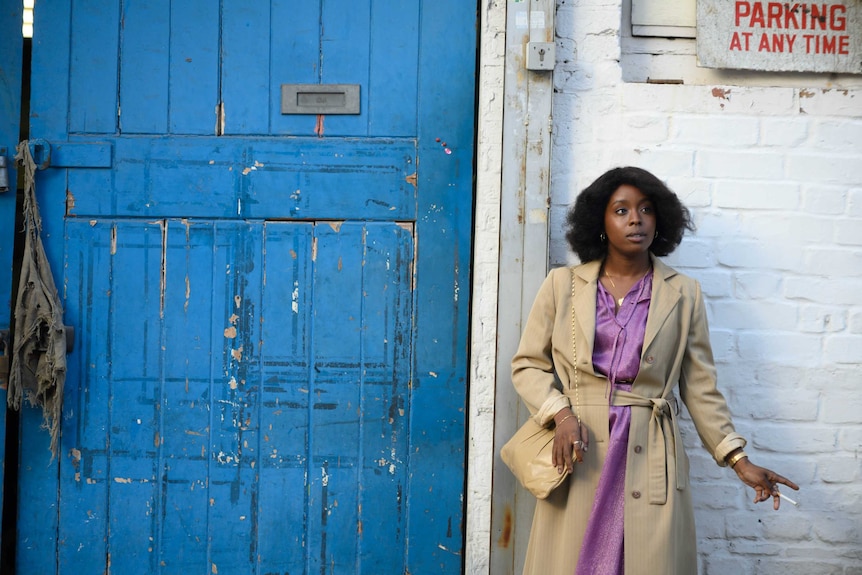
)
(676, 358)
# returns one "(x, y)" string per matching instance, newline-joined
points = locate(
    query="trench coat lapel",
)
(586, 286)
(664, 298)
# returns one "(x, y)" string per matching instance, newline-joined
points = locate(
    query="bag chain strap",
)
(575, 356)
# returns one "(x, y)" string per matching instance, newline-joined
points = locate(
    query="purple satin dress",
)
(616, 354)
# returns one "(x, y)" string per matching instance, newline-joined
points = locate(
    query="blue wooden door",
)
(271, 309)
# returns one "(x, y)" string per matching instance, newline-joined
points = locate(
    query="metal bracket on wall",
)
(5, 365)
(540, 49)
(4, 172)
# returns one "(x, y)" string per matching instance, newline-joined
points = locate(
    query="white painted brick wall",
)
(773, 176)
(485, 266)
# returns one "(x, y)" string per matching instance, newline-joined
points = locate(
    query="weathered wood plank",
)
(235, 420)
(194, 68)
(285, 398)
(394, 34)
(93, 67)
(296, 60)
(83, 464)
(180, 537)
(144, 67)
(247, 86)
(437, 410)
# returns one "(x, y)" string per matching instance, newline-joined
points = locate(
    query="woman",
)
(640, 337)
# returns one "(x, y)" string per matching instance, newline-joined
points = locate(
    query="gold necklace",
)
(620, 300)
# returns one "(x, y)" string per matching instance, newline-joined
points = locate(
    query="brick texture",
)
(773, 176)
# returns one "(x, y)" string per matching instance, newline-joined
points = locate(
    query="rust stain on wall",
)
(721, 93)
(506, 534)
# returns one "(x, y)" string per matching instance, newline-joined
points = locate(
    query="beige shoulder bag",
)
(529, 453)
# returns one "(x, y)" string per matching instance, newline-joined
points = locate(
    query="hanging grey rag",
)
(39, 344)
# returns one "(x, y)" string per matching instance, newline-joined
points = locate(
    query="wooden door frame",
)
(11, 72)
(511, 233)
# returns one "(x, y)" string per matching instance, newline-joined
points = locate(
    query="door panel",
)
(238, 178)
(178, 430)
(270, 373)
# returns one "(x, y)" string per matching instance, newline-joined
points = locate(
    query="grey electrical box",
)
(320, 98)
(540, 55)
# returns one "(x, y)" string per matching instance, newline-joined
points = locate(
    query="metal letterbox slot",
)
(320, 98)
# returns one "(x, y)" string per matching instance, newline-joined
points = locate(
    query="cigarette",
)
(789, 500)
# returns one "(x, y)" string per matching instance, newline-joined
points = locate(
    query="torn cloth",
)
(39, 344)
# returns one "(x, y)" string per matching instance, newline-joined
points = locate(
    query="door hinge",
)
(220, 119)
(4, 172)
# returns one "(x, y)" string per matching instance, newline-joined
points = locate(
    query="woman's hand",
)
(570, 441)
(762, 480)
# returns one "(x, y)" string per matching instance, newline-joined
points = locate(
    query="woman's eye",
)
(621, 211)
(647, 209)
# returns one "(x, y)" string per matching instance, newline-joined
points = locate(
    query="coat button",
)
(636, 494)
(650, 359)
(638, 448)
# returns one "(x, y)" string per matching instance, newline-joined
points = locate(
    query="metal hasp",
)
(4, 172)
(320, 98)
(41, 151)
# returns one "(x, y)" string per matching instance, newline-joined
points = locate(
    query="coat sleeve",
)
(698, 389)
(533, 372)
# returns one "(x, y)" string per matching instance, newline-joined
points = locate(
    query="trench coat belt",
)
(665, 441)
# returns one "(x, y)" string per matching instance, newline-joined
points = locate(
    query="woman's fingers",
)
(783, 480)
(562, 456)
(581, 443)
(562, 453)
(765, 483)
(570, 444)
(585, 436)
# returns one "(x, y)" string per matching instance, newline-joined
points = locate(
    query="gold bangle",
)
(562, 420)
(735, 459)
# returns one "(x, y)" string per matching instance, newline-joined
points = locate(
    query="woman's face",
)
(630, 222)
